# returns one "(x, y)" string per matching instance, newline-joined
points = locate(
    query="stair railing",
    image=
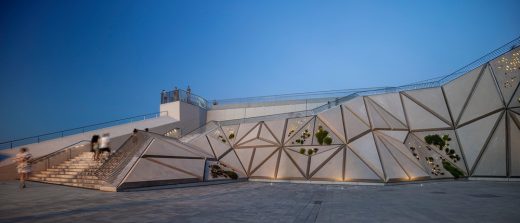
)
(61, 155)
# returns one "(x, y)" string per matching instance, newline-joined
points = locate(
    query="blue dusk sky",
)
(67, 63)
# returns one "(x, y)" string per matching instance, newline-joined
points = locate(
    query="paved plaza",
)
(458, 201)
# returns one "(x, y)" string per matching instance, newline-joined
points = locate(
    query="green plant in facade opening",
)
(231, 136)
(442, 143)
(310, 152)
(321, 136)
(302, 151)
(217, 171)
(456, 172)
(305, 134)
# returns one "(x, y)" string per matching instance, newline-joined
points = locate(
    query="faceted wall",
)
(382, 138)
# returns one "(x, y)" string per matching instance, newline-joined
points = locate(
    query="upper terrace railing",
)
(340, 95)
(184, 96)
(350, 94)
(59, 134)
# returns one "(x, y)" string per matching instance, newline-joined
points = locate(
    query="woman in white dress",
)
(24, 166)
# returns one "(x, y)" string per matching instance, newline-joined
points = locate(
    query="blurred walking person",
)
(23, 165)
(104, 144)
(94, 146)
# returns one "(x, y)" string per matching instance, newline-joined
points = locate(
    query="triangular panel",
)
(514, 132)
(287, 169)
(232, 161)
(294, 125)
(390, 119)
(365, 148)
(260, 155)
(507, 72)
(458, 90)
(320, 158)
(333, 119)
(142, 172)
(160, 147)
(243, 130)
(473, 136)
(419, 118)
(202, 143)
(245, 156)
(391, 102)
(219, 146)
(303, 136)
(267, 169)
(266, 135)
(515, 101)
(484, 99)
(451, 145)
(332, 170)
(300, 160)
(433, 99)
(255, 143)
(331, 134)
(397, 135)
(392, 168)
(408, 164)
(357, 106)
(276, 127)
(354, 125)
(493, 160)
(376, 120)
(248, 136)
(231, 132)
(356, 169)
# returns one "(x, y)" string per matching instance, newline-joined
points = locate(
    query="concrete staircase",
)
(76, 172)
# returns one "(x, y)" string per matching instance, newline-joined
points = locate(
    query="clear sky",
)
(64, 64)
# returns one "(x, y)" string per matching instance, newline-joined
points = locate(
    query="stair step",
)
(64, 180)
(69, 176)
(82, 185)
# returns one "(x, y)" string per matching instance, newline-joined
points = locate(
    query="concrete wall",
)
(247, 112)
(190, 117)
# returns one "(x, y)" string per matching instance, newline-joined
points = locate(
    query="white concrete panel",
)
(493, 160)
(515, 101)
(244, 129)
(260, 155)
(408, 164)
(357, 106)
(255, 143)
(398, 135)
(391, 102)
(376, 120)
(277, 127)
(354, 125)
(401, 147)
(245, 156)
(473, 136)
(218, 146)
(485, 99)
(202, 143)
(335, 138)
(300, 160)
(332, 170)
(320, 157)
(419, 118)
(392, 168)
(458, 90)
(159, 147)
(146, 170)
(268, 168)
(433, 99)
(192, 166)
(355, 169)
(287, 169)
(248, 135)
(507, 75)
(365, 148)
(231, 160)
(514, 133)
(333, 119)
(266, 134)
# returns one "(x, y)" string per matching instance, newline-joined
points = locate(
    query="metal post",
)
(38, 139)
